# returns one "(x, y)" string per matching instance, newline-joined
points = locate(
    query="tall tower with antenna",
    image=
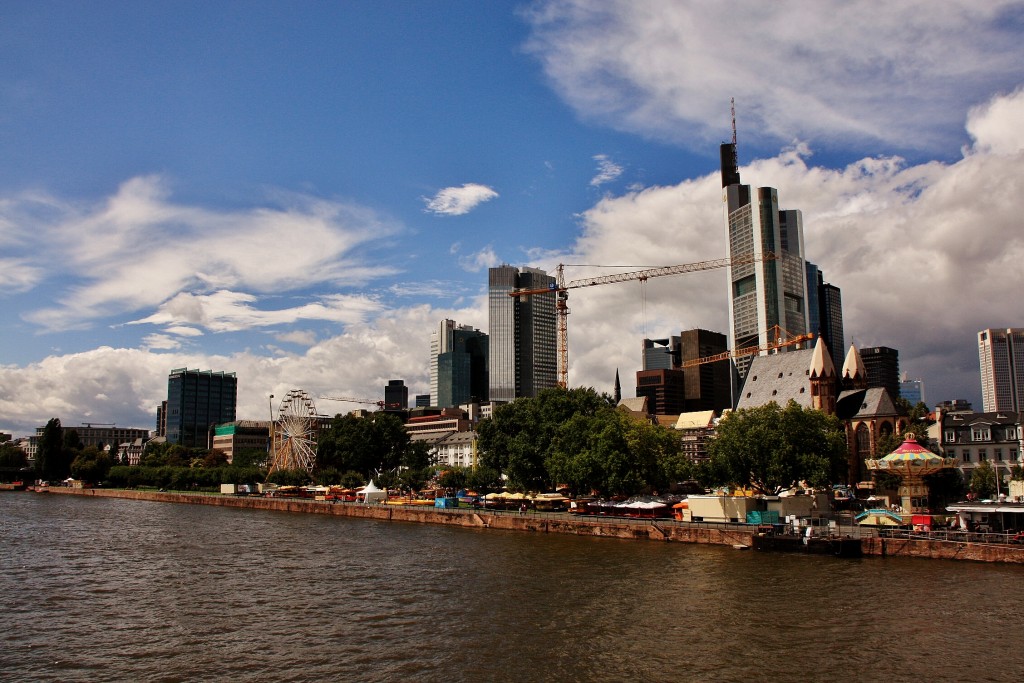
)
(762, 294)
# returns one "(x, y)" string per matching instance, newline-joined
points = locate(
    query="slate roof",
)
(637, 405)
(779, 378)
(863, 404)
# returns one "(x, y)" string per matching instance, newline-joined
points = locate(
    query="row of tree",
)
(579, 438)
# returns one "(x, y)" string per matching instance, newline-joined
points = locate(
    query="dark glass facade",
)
(196, 401)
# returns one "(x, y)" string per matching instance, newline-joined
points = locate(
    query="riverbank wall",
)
(650, 530)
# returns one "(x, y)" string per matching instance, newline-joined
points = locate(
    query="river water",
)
(115, 590)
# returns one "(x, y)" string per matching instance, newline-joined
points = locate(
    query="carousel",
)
(912, 462)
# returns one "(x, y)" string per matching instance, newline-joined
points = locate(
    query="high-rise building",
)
(912, 390)
(663, 389)
(396, 395)
(766, 293)
(661, 354)
(825, 313)
(707, 385)
(196, 401)
(1001, 357)
(462, 369)
(523, 347)
(883, 368)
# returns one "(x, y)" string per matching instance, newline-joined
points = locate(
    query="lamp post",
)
(270, 449)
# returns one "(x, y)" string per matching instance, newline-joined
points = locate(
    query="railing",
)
(954, 536)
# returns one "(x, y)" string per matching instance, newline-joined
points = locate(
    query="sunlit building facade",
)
(523, 347)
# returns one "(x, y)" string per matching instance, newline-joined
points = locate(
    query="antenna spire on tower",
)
(732, 107)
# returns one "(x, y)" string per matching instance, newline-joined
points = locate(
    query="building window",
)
(999, 455)
(967, 456)
(950, 436)
(982, 455)
(981, 434)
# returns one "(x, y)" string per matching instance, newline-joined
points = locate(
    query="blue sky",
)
(298, 192)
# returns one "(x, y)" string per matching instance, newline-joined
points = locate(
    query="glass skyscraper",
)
(523, 337)
(763, 294)
(1001, 357)
(196, 401)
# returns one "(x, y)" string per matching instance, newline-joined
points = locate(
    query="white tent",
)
(371, 494)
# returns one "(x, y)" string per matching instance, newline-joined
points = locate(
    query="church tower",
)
(822, 374)
(855, 374)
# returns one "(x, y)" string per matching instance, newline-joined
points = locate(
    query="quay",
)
(665, 530)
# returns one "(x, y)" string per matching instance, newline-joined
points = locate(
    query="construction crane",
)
(782, 338)
(381, 405)
(560, 289)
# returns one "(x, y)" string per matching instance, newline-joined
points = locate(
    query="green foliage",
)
(770, 448)
(367, 445)
(945, 487)
(983, 480)
(12, 456)
(91, 465)
(483, 479)
(516, 440)
(577, 438)
(453, 478)
(250, 457)
(297, 477)
(53, 461)
(352, 480)
(1017, 473)
(182, 478)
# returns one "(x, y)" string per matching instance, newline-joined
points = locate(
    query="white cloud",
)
(456, 201)
(160, 342)
(996, 125)
(607, 170)
(226, 311)
(298, 337)
(901, 73)
(485, 258)
(17, 275)
(138, 249)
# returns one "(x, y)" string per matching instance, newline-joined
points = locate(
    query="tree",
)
(12, 456)
(250, 457)
(771, 448)
(91, 465)
(52, 463)
(918, 422)
(516, 440)
(368, 445)
(983, 480)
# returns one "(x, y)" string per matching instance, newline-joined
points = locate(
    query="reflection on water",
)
(108, 589)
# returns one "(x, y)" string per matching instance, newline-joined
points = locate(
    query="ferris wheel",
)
(295, 433)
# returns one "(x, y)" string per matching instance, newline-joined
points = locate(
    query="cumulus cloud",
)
(138, 249)
(298, 337)
(607, 170)
(903, 74)
(485, 258)
(226, 311)
(457, 201)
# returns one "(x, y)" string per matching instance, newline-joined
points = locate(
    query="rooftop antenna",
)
(732, 108)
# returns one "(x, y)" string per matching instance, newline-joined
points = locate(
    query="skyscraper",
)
(196, 401)
(825, 313)
(883, 368)
(396, 395)
(523, 347)
(766, 293)
(458, 365)
(1001, 357)
(707, 385)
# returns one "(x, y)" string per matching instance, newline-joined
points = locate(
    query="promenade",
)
(740, 536)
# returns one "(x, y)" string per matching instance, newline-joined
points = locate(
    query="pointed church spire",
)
(821, 361)
(618, 388)
(855, 375)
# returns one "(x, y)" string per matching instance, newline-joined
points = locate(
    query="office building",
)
(883, 368)
(196, 401)
(707, 386)
(767, 298)
(912, 390)
(662, 354)
(1001, 358)
(523, 346)
(825, 313)
(664, 390)
(458, 365)
(422, 400)
(396, 395)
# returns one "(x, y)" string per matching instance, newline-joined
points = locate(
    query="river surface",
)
(98, 589)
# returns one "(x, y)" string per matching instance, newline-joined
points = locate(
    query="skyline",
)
(299, 195)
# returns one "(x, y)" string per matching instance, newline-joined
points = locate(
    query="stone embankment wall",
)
(656, 530)
(605, 528)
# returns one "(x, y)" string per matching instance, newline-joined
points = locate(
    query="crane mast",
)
(560, 289)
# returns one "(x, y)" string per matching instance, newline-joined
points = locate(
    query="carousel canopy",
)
(912, 458)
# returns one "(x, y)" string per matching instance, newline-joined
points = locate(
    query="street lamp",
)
(270, 449)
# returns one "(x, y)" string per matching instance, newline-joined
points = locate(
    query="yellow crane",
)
(560, 289)
(781, 337)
